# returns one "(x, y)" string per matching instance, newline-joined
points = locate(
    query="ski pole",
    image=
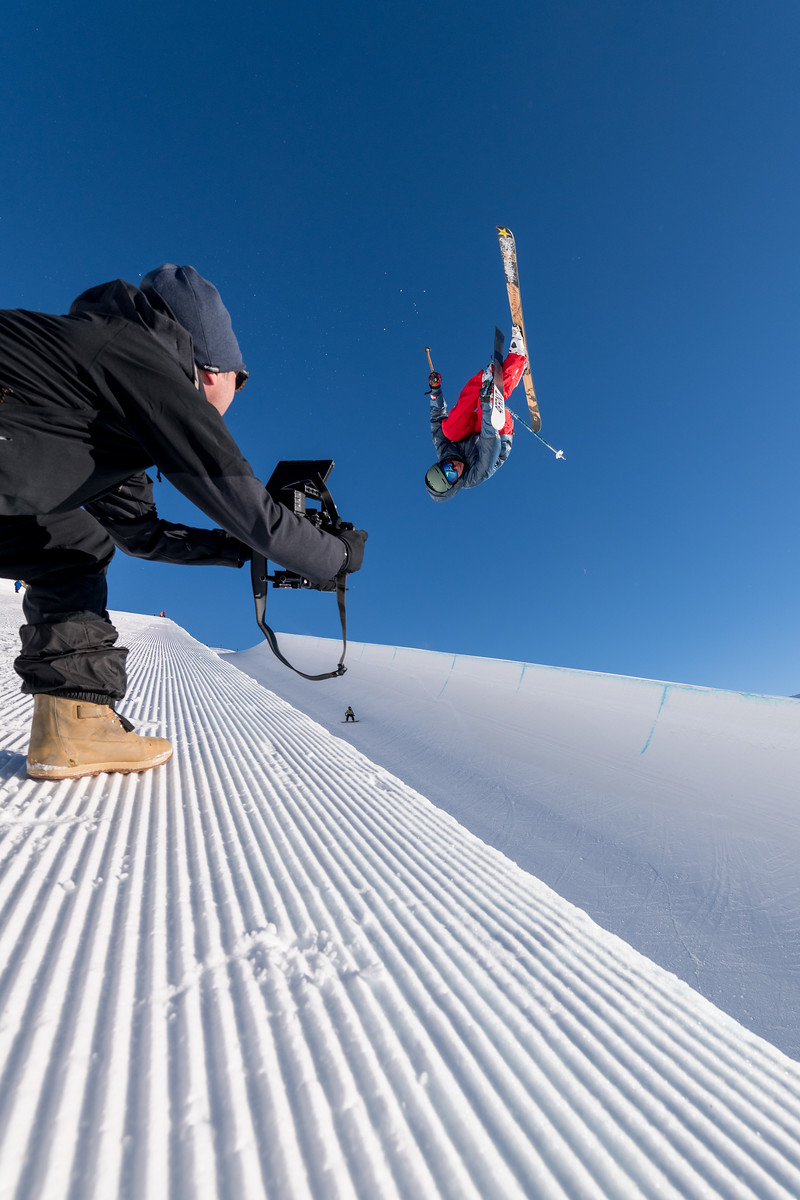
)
(434, 379)
(558, 453)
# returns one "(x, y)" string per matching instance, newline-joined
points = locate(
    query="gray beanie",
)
(197, 306)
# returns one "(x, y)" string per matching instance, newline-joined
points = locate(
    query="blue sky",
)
(339, 172)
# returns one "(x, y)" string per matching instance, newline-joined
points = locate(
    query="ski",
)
(498, 396)
(508, 250)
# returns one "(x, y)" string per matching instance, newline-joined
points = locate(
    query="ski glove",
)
(434, 380)
(354, 540)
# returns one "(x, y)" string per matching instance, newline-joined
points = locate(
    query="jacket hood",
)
(150, 312)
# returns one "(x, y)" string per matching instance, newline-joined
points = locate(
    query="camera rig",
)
(293, 484)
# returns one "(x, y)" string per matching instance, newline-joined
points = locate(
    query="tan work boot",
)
(71, 738)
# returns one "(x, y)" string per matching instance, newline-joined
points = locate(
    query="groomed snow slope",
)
(272, 969)
(669, 813)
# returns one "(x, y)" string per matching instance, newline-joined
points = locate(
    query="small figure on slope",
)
(469, 450)
(349, 715)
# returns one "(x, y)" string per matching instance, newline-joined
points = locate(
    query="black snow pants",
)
(68, 643)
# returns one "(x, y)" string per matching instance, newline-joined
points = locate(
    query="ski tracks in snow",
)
(270, 969)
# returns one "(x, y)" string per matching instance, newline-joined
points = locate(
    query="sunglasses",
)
(241, 376)
(450, 472)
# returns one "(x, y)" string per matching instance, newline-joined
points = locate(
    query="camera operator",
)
(130, 378)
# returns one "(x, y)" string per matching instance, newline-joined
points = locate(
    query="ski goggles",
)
(435, 479)
(441, 476)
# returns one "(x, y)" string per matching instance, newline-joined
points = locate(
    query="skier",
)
(131, 377)
(349, 715)
(469, 449)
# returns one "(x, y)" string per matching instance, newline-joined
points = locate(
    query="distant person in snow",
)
(349, 715)
(132, 377)
(469, 450)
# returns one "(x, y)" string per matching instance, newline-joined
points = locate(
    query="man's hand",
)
(354, 540)
(434, 380)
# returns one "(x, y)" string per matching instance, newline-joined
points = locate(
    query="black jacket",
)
(129, 516)
(91, 399)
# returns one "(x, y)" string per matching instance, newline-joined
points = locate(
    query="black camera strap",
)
(291, 483)
(258, 571)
